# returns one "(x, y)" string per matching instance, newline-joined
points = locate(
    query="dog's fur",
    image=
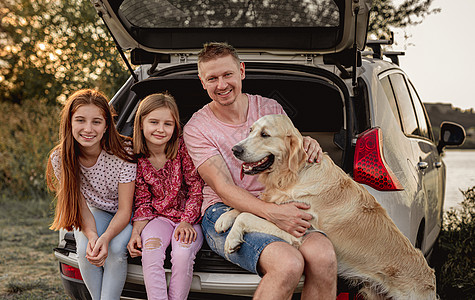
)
(370, 248)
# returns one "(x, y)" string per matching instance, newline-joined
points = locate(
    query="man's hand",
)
(290, 217)
(313, 149)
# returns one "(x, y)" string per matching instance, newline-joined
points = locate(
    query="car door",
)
(424, 159)
(434, 173)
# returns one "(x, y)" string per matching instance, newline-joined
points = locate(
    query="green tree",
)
(49, 49)
(385, 15)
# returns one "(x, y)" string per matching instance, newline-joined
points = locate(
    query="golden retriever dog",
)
(370, 248)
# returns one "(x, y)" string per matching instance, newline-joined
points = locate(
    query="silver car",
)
(308, 55)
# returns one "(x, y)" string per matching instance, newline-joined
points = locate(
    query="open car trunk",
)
(314, 101)
(313, 98)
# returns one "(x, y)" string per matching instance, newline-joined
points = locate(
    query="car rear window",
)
(230, 14)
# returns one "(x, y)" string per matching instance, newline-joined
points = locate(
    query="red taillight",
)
(343, 296)
(369, 166)
(70, 271)
(348, 296)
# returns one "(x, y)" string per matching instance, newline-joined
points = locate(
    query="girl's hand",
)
(185, 233)
(135, 244)
(99, 252)
(90, 245)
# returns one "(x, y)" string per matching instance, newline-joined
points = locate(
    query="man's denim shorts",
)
(248, 254)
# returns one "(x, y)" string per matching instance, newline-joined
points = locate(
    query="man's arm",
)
(288, 217)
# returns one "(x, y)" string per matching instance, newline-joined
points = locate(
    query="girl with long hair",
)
(168, 197)
(93, 176)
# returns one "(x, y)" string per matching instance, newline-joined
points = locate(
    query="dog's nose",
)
(237, 151)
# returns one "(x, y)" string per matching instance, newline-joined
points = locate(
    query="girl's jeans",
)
(104, 282)
(156, 236)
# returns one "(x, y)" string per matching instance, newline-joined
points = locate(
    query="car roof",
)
(274, 26)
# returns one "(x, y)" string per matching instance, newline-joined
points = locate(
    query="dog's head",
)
(273, 144)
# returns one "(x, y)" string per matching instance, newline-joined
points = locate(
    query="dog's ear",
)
(297, 154)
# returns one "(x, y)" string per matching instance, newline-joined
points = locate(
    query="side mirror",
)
(451, 134)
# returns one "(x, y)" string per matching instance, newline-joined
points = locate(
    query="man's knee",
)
(318, 251)
(283, 259)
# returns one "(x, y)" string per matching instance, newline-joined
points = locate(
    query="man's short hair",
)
(213, 50)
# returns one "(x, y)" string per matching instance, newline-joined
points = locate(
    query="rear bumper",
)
(213, 283)
(76, 289)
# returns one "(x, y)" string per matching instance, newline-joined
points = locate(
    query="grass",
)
(28, 269)
(455, 258)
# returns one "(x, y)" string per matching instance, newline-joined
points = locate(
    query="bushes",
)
(27, 134)
(455, 269)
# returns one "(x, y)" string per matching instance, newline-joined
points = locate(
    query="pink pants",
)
(156, 236)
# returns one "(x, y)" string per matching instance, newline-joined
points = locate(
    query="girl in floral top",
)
(168, 199)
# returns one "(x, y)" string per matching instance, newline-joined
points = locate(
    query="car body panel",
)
(398, 203)
(422, 188)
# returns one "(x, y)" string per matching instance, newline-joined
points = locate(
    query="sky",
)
(440, 54)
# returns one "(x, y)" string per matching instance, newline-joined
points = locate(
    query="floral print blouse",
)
(174, 191)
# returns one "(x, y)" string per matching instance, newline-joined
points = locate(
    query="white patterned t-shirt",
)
(100, 183)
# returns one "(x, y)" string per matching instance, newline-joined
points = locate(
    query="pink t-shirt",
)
(206, 136)
(100, 183)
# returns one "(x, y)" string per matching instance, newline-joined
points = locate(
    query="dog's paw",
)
(225, 221)
(234, 240)
(232, 245)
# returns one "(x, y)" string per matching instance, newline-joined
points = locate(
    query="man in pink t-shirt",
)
(209, 136)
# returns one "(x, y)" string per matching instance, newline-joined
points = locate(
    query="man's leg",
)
(282, 266)
(247, 256)
(320, 267)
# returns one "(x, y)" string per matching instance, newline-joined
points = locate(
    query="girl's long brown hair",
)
(149, 104)
(68, 213)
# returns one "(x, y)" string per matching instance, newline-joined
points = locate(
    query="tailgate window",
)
(230, 14)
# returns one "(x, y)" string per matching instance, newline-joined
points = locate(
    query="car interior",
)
(314, 104)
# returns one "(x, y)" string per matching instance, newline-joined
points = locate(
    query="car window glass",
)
(420, 113)
(404, 103)
(230, 14)
(390, 95)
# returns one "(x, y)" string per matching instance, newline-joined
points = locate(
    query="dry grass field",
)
(28, 269)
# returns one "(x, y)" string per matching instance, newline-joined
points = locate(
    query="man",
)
(209, 135)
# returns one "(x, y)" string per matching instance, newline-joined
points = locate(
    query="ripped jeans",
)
(104, 282)
(156, 236)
